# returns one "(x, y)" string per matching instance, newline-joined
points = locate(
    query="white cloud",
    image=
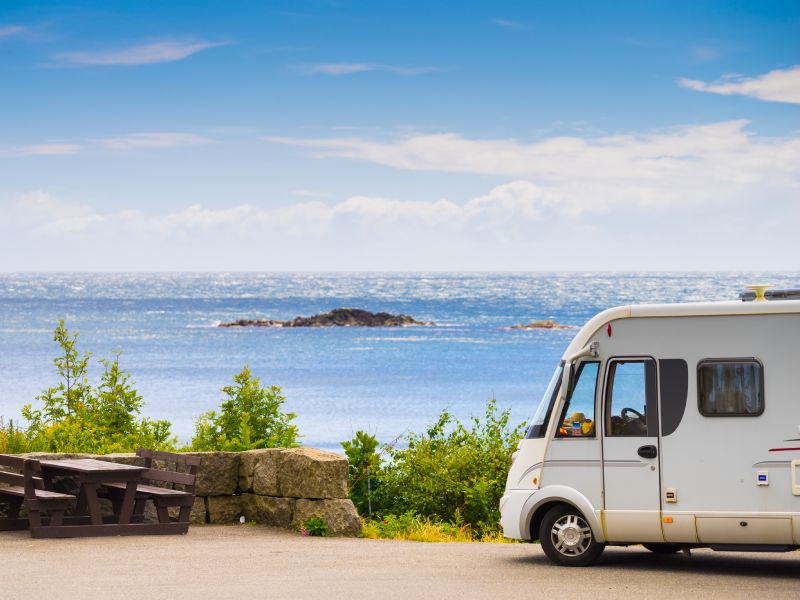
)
(304, 193)
(780, 85)
(154, 140)
(350, 68)
(340, 68)
(508, 23)
(505, 204)
(710, 196)
(704, 163)
(518, 225)
(51, 149)
(11, 30)
(131, 141)
(38, 208)
(145, 54)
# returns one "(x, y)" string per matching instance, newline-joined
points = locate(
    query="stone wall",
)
(273, 486)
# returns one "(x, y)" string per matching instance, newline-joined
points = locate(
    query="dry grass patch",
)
(415, 528)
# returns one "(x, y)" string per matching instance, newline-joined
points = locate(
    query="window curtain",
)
(731, 388)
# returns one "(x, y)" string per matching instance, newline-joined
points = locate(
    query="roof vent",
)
(758, 290)
(760, 293)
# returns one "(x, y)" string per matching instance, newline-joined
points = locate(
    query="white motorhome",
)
(672, 426)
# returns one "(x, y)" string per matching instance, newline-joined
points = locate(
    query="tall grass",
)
(13, 439)
(415, 528)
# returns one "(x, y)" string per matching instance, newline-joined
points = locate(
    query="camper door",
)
(632, 498)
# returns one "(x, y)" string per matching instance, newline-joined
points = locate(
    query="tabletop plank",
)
(89, 465)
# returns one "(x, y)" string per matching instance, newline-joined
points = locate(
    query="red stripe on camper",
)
(782, 449)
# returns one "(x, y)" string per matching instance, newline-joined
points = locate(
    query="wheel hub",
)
(571, 535)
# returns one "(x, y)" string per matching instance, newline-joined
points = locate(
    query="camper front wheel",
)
(567, 539)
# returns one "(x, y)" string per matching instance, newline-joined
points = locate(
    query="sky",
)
(399, 136)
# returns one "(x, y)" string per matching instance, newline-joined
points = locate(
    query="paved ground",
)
(260, 562)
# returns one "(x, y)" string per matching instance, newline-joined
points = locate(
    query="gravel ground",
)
(260, 562)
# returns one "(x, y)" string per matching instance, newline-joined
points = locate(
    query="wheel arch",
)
(541, 503)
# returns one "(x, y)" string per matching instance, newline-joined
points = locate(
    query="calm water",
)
(337, 380)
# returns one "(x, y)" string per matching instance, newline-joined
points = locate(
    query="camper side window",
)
(631, 398)
(730, 387)
(577, 416)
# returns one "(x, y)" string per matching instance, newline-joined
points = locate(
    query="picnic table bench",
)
(166, 488)
(25, 484)
(128, 486)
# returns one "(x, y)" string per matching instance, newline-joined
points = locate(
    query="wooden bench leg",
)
(163, 513)
(92, 503)
(56, 516)
(184, 514)
(116, 505)
(35, 517)
(138, 510)
(128, 503)
(80, 506)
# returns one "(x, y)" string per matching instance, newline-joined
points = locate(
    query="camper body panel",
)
(711, 466)
(577, 464)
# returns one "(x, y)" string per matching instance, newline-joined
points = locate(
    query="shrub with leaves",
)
(363, 478)
(13, 439)
(453, 473)
(251, 416)
(78, 417)
(314, 526)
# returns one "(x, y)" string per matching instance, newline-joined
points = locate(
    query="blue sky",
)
(399, 136)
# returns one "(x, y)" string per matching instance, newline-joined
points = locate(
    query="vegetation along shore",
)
(443, 484)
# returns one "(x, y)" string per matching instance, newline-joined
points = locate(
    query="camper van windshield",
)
(541, 418)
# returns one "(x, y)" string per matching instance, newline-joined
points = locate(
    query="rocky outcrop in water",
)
(340, 317)
(545, 324)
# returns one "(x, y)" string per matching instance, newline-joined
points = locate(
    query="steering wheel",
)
(626, 410)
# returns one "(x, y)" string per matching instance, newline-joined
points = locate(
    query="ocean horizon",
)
(387, 381)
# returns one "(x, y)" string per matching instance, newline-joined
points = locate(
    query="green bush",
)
(75, 416)
(78, 417)
(364, 473)
(250, 417)
(13, 440)
(453, 473)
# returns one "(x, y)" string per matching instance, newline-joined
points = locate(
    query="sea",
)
(387, 381)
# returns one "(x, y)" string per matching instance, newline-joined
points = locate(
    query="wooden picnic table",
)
(91, 474)
(129, 488)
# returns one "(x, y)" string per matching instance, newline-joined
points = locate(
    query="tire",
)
(567, 539)
(663, 548)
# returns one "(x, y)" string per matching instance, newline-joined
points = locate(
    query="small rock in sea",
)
(340, 317)
(545, 324)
